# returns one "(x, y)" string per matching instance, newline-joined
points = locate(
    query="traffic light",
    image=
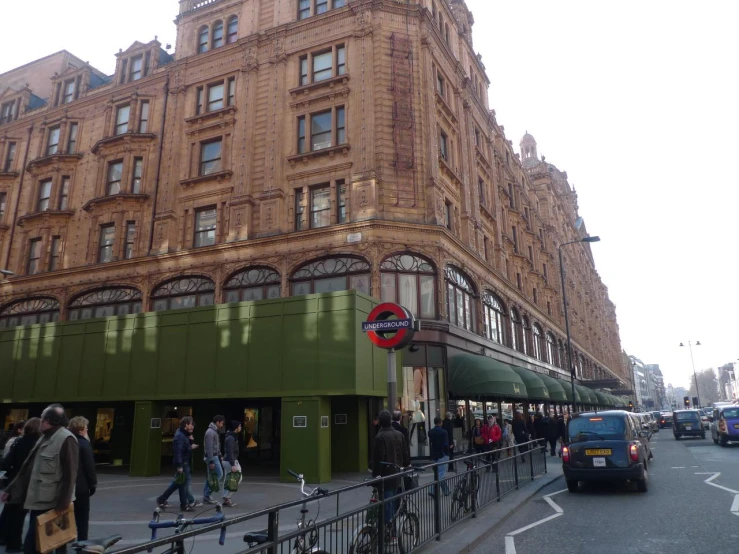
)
(631, 405)
(695, 402)
(686, 400)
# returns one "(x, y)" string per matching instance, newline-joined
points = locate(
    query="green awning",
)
(614, 400)
(620, 402)
(567, 387)
(602, 399)
(535, 387)
(587, 396)
(556, 391)
(475, 376)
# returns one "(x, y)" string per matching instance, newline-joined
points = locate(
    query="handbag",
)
(232, 481)
(479, 441)
(213, 483)
(180, 478)
(55, 529)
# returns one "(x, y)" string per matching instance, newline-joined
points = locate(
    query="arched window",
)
(516, 330)
(332, 274)
(203, 39)
(536, 334)
(104, 303)
(460, 299)
(492, 309)
(253, 283)
(562, 358)
(526, 336)
(410, 281)
(218, 34)
(184, 292)
(29, 311)
(233, 29)
(552, 350)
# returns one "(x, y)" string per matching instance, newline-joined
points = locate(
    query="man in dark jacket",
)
(520, 434)
(552, 433)
(212, 453)
(540, 429)
(182, 457)
(448, 426)
(439, 440)
(231, 459)
(389, 448)
(398, 426)
(86, 478)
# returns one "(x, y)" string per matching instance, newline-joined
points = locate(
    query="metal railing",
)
(419, 515)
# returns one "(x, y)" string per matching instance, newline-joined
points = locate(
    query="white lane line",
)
(679, 467)
(554, 505)
(715, 475)
(532, 525)
(735, 504)
(510, 543)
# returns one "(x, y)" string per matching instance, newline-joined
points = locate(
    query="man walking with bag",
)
(439, 439)
(182, 458)
(212, 444)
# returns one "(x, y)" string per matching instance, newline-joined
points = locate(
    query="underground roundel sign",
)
(389, 326)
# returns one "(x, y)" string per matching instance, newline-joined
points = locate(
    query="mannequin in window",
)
(419, 384)
(419, 422)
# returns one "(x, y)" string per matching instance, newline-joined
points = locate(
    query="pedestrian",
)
(562, 430)
(520, 434)
(14, 434)
(389, 447)
(398, 426)
(448, 426)
(540, 430)
(11, 520)
(439, 450)
(496, 433)
(231, 458)
(506, 438)
(552, 434)
(48, 476)
(182, 460)
(86, 477)
(478, 437)
(212, 445)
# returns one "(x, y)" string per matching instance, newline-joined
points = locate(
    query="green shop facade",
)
(298, 372)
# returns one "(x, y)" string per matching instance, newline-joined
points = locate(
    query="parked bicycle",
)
(403, 529)
(465, 492)
(305, 542)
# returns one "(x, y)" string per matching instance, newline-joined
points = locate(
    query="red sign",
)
(386, 332)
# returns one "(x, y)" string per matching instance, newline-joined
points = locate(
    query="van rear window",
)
(687, 416)
(731, 413)
(605, 427)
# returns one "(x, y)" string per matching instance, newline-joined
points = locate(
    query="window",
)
(115, 173)
(34, 257)
(54, 258)
(492, 309)
(510, 194)
(486, 249)
(341, 201)
(307, 8)
(138, 165)
(327, 129)
(410, 281)
(7, 112)
(531, 253)
(303, 9)
(64, 195)
(214, 97)
(3, 204)
(218, 34)
(105, 248)
(233, 29)
(203, 35)
(44, 195)
(536, 332)
(440, 85)
(320, 207)
(210, 157)
(254, 283)
(443, 146)
(68, 95)
(460, 299)
(52, 146)
(136, 68)
(231, 91)
(477, 138)
(9, 157)
(514, 231)
(72, 140)
(519, 283)
(105, 303)
(324, 65)
(185, 292)
(546, 274)
(299, 210)
(516, 331)
(130, 239)
(551, 349)
(144, 117)
(448, 215)
(549, 308)
(332, 274)
(29, 311)
(205, 227)
(536, 296)
(481, 190)
(121, 119)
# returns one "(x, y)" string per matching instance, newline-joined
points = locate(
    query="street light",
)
(564, 302)
(690, 347)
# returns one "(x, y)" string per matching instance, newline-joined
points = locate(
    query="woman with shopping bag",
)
(231, 466)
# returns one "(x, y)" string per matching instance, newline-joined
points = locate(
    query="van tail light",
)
(566, 454)
(634, 453)
(722, 427)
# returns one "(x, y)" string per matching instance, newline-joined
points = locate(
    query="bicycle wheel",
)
(365, 541)
(458, 510)
(408, 533)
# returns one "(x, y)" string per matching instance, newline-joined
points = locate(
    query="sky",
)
(636, 100)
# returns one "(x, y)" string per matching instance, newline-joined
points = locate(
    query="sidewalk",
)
(465, 536)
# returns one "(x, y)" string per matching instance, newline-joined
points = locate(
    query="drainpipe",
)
(18, 197)
(159, 166)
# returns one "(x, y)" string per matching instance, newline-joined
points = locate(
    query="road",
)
(680, 514)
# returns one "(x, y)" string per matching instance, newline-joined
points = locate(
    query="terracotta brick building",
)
(291, 147)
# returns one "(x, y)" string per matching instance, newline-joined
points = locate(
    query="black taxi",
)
(687, 423)
(605, 446)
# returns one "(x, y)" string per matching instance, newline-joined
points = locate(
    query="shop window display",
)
(420, 404)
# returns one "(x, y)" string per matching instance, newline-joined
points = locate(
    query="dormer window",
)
(69, 89)
(7, 112)
(137, 68)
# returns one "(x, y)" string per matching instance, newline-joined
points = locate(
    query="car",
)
(687, 423)
(705, 421)
(644, 423)
(653, 425)
(665, 420)
(656, 416)
(725, 425)
(606, 446)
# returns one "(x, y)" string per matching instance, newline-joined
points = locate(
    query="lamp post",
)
(564, 302)
(690, 347)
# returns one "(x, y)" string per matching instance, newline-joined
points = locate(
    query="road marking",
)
(735, 504)
(510, 543)
(679, 467)
(715, 475)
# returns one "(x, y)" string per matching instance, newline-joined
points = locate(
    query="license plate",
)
(598, 452)
(599, 462)
(688, 428)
